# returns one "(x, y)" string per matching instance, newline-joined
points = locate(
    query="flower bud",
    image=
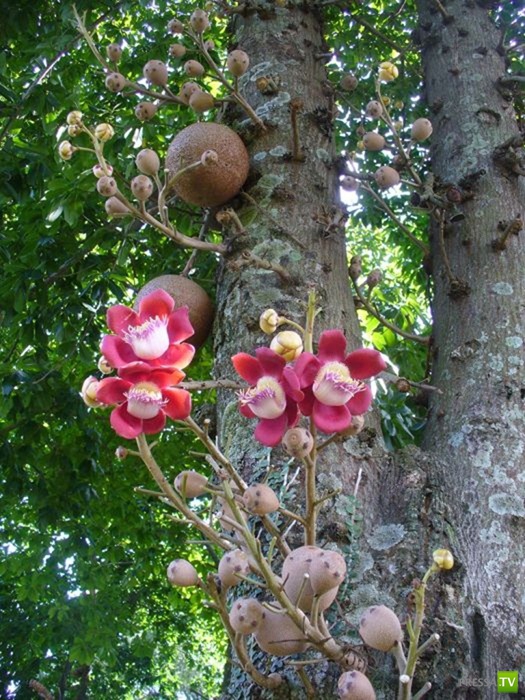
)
(238, 62)
(443, 559)
(98, 170)
(354, 685)
(298, 442)
(199, 21)
(74, 130)
(66, 150)
(142, 187)
(104, 366)
(175, 26)
(104, 132)
(74, 117)
(89, 392)
(374, 109)
(193, 68)
(421, 129)
(107, 186)
(387, 71)
(114, 52)
(181, 573)
(380, 628)
(201, 101)
(374, 278)
(348, 82)
(349, 183)
(287, 344)
(190, 484)
(145, 111)
(114, 207)
(269, 321)
(147, 161)
(121, 452)
(177, 50)
(355, 427)
(115, 82)
(156, 72)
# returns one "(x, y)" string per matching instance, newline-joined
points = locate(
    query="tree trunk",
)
(476, 426)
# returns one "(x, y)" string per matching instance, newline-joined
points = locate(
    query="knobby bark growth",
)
(468, 484)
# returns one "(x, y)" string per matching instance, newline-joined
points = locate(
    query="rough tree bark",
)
(468, 484)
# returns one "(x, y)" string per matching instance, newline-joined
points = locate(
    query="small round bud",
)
(354, 685)
(403, 385)
(114, 52)
(387, 71)
(156, 72)
(74, 117)
(116, 82)
(181, 573)
(209, 45)
(74, 130)
(187, 91)
(374, 109)
(104, 132)
(443, 559)
(373, 141)
(89, 392)
(349, 183)
(386, 177)
(348, 82)
(398, 125)
(421, 129)
(145, 111)
(269, 321)
(399, 104)
(355, 427)
(104, 366)
(147, 161)
(98, 170)
(114, 207)
(380, 628)
(190, 484)
(199, 21)
(209, 157)
(66, 150)
(193, 69)
(238, 62)
(175, 26)
(121, 452)
(177, 50)
(355, 267)
(232, 565)
(298, 442)
(327, 571)
(107, 186)
(201, 101)
(246, 615)
(287, 344)
(374, 278)
(142, 187)
(260, 499)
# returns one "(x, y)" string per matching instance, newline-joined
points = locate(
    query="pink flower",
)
(144, 397)
(331, 382)
(273, 396)
(154, 334)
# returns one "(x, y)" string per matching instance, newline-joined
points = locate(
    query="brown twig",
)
(41, 690)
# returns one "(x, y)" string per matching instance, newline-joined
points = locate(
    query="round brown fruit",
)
(277, 634)
(194, 69)
(246, 615)
(182, 573)
(107, 186)
(114, 52)
(186, 293)
(142, 187)
(115, 82)
(380, 628)
(373, 141)
(177, 50)
(190, 484)
(156, 72)
(421, 129)
(147, 161)
(187, 91)
(354, 685)
(217, 183)
(348, 82)
(386, 177)
(238, 62)
(201, 101)
(145, 111)
(260, 499)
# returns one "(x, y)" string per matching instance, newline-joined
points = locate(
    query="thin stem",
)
(311, 313)
(311, 501)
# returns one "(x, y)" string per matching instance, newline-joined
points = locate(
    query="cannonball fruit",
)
(201, 101)
(374, 109)
(156, 72)
(147, 161)
(380, 628)
(177, 50)
(187, 91)
(142, 187)
(373, 141)
(186, 293)
(115, 82)
(199, 21)
(175, 26)
(298, 442)
(421, 129)
(145, 111)
(260, 499)
(114, 52)
(277, 634)
(182, 573)
(233, 564)
(238, 62)
(327, 571)
(194, 69)
(214, 184)
(354, 685)
(190, 484)
(246, 615)
(386, 177)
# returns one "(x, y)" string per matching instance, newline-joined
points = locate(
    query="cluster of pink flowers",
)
(327, 386)
(148, 352)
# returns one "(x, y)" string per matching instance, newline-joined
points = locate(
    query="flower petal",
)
(143, 372)
(306, 368)
(157, 303)
(365, 363)
(179, 403)
(248, 367)
(120, 317)
(331, 419)
(270, 431)
(151, 426)
(179, 325)
(271, 362)
(290, 384)
(124, 424)
(116, 351)
(112, 390)
(332, 346)
(292, 414)
(307, 404)
(246, 411)
(178, 355)
(361, 402)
